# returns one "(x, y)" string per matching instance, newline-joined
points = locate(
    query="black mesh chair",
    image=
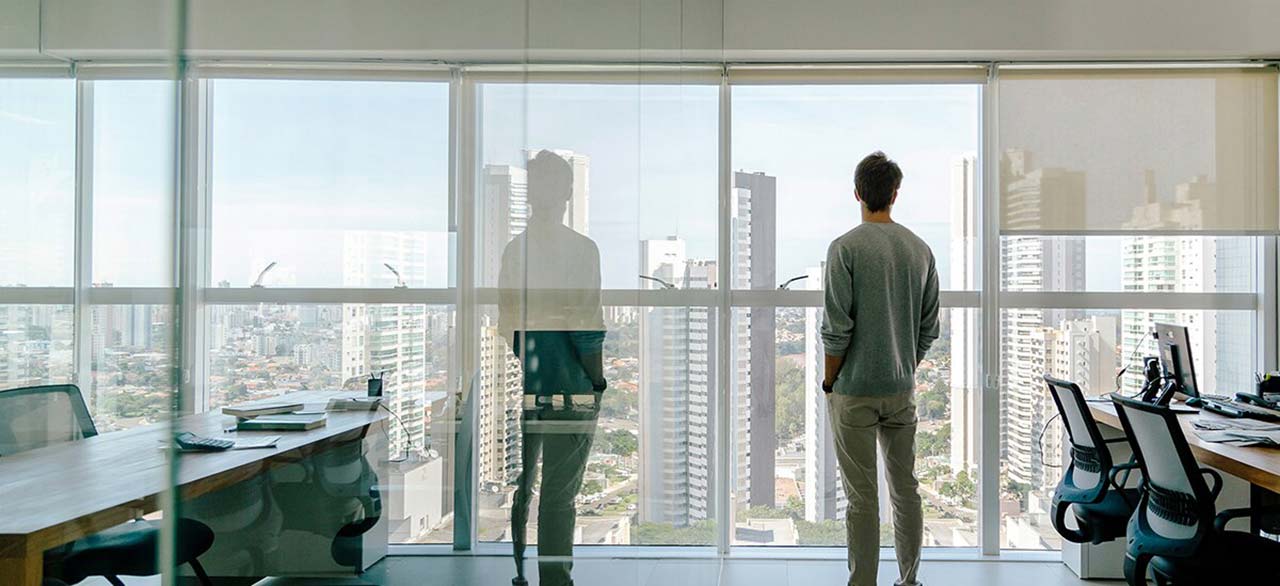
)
(35, 417)
(1176, 534)
(1091, 488)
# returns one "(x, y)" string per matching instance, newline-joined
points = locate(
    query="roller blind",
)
(1138, 150)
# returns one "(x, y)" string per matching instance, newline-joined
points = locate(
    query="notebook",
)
(248, 411)
(283, 422)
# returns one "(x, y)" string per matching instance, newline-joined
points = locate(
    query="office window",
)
(132, 365)
(644, 163)
(795, 148)
(35, 344)
(803, 501)
(37, 182)
(1089, 347)
(330, 180)
(266, 350)
(1187, 263)
(133, 183)
(1134, 150)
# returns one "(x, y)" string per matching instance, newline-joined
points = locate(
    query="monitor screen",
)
(1175, 358)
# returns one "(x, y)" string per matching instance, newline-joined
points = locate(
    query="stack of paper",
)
(1238, 432)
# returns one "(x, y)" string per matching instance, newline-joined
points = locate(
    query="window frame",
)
(193, 293)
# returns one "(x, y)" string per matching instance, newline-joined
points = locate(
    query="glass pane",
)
(789, 489)
(794, 152)
(133, 183)
(1188, 264)
(643, 159)
(1137, 150)
(132, 365)
(647, 478)
(35, 344)
(37, 182)
(267, 351)
(1089, 348)
(330, 183)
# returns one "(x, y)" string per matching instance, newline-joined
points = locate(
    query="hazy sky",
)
(297, 163)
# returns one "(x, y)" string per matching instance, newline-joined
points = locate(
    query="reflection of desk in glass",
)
(1244, 469)
(60, 493)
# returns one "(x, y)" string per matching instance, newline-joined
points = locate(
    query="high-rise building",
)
(388, 340)
(678, 370)
(754, 237)
(1186, 264)
(824, 497)
(1032, 263)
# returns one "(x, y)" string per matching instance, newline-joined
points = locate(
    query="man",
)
(881, 317)
(550, 313)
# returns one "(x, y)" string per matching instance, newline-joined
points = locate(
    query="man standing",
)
(881, 317)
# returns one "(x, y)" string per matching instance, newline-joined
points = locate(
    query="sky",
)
(296, 163)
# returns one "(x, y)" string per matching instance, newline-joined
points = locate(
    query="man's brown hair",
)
(876, 178)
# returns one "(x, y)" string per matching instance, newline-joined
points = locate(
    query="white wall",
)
(631, 29)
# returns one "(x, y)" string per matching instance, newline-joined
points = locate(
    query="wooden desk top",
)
(1257, 465)
(74, 488)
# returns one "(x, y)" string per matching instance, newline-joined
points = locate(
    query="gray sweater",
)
(881, 308)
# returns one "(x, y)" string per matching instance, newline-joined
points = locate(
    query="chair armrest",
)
(1115, 440)
(1217, 481)
(1118, 485)
(1226, 515)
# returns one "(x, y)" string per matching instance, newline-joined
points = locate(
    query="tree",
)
(619, 442)
(592, 487)
(699, 533)
(789, 406)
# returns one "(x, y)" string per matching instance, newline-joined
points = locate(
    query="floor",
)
(495, 571)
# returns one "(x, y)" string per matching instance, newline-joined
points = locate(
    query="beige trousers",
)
(857, 423)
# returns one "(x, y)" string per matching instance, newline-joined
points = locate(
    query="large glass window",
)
(329, 182)
(643, 162)
(37, 182)
(794, 152)
(133, 183)
(795, 148)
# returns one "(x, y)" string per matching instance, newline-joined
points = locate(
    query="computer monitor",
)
(1175, 359)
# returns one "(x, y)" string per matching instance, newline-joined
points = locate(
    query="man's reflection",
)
(549, 311)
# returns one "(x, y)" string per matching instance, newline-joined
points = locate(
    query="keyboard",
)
(1233, 408)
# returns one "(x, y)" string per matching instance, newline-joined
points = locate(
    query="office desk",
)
(64, 492)
(1258, 466)
(1243, 469)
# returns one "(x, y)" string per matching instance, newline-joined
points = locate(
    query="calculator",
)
(190, 442)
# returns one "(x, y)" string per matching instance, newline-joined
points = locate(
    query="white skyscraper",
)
(824, 496)
(388, 339)
(1032, 263)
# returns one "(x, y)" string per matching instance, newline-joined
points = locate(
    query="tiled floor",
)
(494, 571)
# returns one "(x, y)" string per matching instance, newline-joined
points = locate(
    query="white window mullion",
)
(989, 341)
(725, 447)
(82, 340)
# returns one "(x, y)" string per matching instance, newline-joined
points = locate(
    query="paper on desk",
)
(1249, 424)
(1240, 437)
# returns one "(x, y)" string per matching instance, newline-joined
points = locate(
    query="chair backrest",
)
(1177, 505)
(1090, 458)
(35, 417)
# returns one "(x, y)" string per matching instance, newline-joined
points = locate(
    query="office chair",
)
(334, 495)
(1176, 533)
(35, 417)
(1090, 489)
